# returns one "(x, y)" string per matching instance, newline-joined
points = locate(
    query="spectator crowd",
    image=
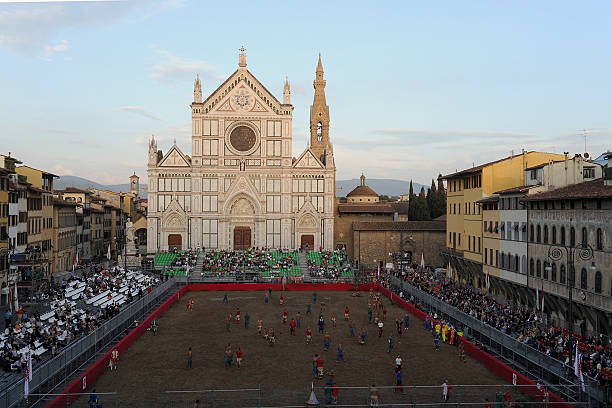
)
(519, 322)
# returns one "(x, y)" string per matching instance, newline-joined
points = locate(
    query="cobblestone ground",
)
(283, 372)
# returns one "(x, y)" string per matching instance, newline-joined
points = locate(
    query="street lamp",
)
(584, 252)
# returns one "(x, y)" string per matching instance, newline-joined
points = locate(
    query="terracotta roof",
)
(366, 208)
(362, 191)
(480, 167)
(519, 189)
(539, 166)
(5, 172)
(36, 189)
(42, 171)
(74, 190)
(401, 207)
(440, 218)
(399, 226)
(63, 203)
(587, 189)
(490, 199)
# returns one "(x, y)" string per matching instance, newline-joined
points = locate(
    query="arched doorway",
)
(242, 238)
(307, 242)
(175, 241)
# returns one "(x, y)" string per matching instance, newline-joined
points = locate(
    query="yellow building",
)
(464, 230)
(40, 218)
(4, 213)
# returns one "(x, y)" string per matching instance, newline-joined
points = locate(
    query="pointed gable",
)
(223, 99)
(308, 160)
(175, 158)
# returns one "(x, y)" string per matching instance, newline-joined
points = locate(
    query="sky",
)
(414, 88)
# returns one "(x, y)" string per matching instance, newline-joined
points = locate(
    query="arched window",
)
(538, 269)
(517, 266)
(585, 236)
(546, 234)
(553, 274)
(583, 279)
(320, 132)
(538, 234)
(545, 271)
(524, 265)
(599, 239)
(503, 261)
(554, 235)
(597, 282)
(562, 236)
(572, 236)
(531, 266)
(531, 233)
(562, 274)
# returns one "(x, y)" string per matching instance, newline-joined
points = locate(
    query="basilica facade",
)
(242, 187)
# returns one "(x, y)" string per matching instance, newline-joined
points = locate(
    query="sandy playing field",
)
(283, 372)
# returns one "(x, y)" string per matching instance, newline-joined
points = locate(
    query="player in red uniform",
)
(238, 356)
(308, 336)
(347, 313)
(285, 314)
(292, 325)
(189, 305)
(333, 319)
(238, 315)
(259, 326)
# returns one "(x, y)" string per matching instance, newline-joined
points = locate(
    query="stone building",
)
(375, 242)
(65, 236)
(241, 187)
(370, 230)
(82, 199)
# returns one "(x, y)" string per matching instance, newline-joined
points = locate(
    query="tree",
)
(421, 209)
(411, 203)
(432, 198)
(383, 197)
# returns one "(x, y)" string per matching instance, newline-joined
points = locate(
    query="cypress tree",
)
(411, 203)
(432, 199)
(421, 212)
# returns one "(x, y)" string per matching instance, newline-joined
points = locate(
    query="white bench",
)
(102, 301)
(97, 297)
(47, 315)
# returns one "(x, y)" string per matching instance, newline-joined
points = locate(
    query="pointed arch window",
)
(583, 279)
(319, 132)
(598, 282)
(562, 274)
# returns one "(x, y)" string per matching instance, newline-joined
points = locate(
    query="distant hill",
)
(83, 183)
(387, 187)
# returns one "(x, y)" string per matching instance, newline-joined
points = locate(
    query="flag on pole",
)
(541, 298)
(28, 374)
(449, 272)
(16, 298)
(77, 258)
(10, 299)
(537, 298)
(488, 280)
(108, 253)
(422, 260)
(578, 368)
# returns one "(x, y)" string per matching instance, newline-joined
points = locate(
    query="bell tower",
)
(319, 116)
(197, 90)
(134, 184)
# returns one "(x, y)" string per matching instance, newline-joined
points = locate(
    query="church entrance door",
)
(307, 243)
(175, 241)
(242, 238)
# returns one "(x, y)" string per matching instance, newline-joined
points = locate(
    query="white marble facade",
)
(242, 187)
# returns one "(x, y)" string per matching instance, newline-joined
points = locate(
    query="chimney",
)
(608, 169)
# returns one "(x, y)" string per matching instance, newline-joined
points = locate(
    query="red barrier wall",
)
(493, 364)
(96, 369)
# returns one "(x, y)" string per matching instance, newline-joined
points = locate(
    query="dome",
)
(362, 191)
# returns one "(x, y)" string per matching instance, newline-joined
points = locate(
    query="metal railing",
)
(57, 370)
(519, 355)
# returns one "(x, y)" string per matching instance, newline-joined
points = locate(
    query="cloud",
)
(61, 47)
(62, 171)
(173, 69)
(28, 28)
(139, 110)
